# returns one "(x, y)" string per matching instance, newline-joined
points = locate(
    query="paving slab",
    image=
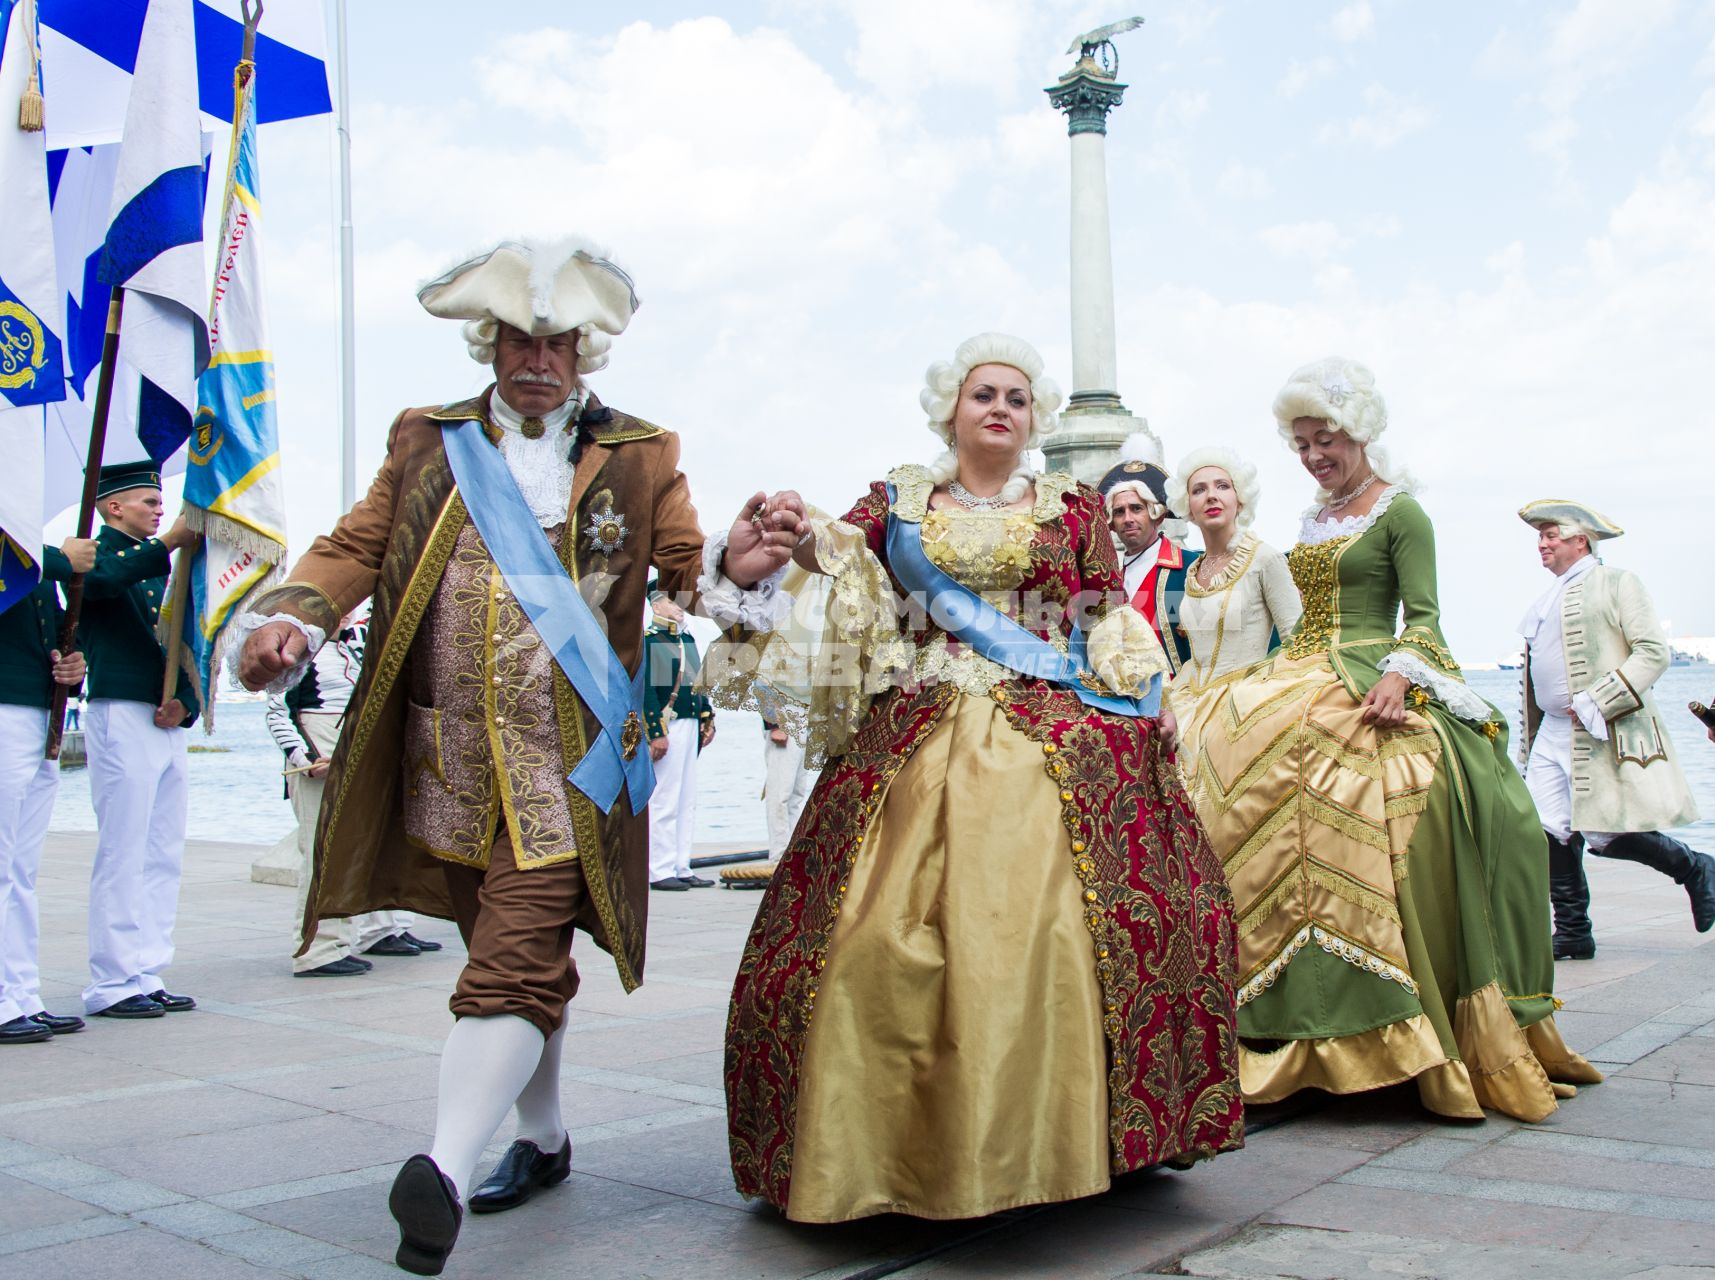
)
(258, 1135)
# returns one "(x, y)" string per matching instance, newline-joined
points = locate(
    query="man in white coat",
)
(1600, 766)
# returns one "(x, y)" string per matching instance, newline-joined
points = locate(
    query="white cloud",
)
(1387, 120)
(1316, 241)
(1301, 75)
(1592, 44)
(904, 46)
(1181, 107)
(1702, 121)
(1243, 182)
(1191, 20)
(1353, 22)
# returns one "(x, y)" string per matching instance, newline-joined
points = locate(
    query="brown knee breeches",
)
(517, 926)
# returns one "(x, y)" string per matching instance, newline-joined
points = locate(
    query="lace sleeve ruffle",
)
(1457, 696)
(759, 608)
(1124, 652)
(818, 670)
(245, 623)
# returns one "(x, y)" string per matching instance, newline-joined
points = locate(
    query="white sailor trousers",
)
(673, 805)
(137, 785)
(27, 786)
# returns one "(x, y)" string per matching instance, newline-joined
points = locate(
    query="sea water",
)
(237, 792)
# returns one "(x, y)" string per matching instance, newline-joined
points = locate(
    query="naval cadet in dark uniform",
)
(679, 722)
(30, 666)
(136, 748)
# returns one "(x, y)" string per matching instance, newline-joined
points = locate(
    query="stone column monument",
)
(1095, 421)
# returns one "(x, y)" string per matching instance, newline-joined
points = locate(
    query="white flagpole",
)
(347, 290)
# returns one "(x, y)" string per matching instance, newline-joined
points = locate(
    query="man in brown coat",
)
(488, 770)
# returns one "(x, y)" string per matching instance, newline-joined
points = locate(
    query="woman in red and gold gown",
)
(995, 964)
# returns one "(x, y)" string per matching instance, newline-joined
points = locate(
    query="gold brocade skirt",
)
(956, 1065)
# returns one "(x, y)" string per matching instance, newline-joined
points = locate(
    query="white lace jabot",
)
(542, 468)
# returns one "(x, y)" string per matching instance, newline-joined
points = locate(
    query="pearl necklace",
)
(1335, 504)
(965, 498)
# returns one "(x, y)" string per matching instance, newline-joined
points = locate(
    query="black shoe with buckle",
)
(422, 944)
(61, 1024)
(394, 944)
(524, 1170)
(172, 1003)
(425, 1204)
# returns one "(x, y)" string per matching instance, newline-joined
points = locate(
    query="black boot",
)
(1569, 891)
(1694, 870)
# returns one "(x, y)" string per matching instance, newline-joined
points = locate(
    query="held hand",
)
(68, 670)
(81, 553)
(170, 714)
(780, 738)
(1168, 727)
(657, 748)
(320, 769)
(179, 535)
(708, 734)
(764, 536)
(272, 648)
(1384, 707)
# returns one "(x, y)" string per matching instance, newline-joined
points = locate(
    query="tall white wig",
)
(1241, 473)
(1343, 394)
(946, 378)
(593, 344)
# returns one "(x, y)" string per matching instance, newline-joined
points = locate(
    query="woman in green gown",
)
(1387, 866)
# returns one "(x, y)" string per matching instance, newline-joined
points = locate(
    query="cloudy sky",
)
(1507, 210)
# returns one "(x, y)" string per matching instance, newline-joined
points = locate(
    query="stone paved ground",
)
(257, 1136)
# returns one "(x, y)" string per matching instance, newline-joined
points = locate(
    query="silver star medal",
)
(606, 529)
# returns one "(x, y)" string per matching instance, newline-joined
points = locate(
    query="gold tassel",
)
(30, 105)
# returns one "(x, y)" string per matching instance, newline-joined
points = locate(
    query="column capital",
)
(1086, 95)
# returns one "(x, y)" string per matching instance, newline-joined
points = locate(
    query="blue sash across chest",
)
(561, 616)
(973, 621)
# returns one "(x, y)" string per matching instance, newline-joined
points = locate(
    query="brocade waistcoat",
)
(483, 733)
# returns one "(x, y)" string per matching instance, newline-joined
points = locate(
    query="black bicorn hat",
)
(117, 477)
(1140, 467)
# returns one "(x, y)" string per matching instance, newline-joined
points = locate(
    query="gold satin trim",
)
(1343, 1064)
(1562, 1065)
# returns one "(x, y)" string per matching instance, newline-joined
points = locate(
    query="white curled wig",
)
(593, 344)
(1241, 473)
(945, 379)
(1343, 394)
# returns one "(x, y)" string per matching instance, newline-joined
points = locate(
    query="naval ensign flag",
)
(154, 238)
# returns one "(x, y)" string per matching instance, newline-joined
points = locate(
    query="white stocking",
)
(485, 1063)
(539, 1118)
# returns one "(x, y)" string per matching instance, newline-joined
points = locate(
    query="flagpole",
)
(86, 508)
(179, 589)
(347, 289)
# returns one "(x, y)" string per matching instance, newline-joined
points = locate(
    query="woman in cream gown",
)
(1239, 595)
(994, 966)
(1387, 865)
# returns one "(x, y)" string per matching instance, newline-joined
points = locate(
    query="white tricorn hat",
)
(1565, 511)
(541, 288)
